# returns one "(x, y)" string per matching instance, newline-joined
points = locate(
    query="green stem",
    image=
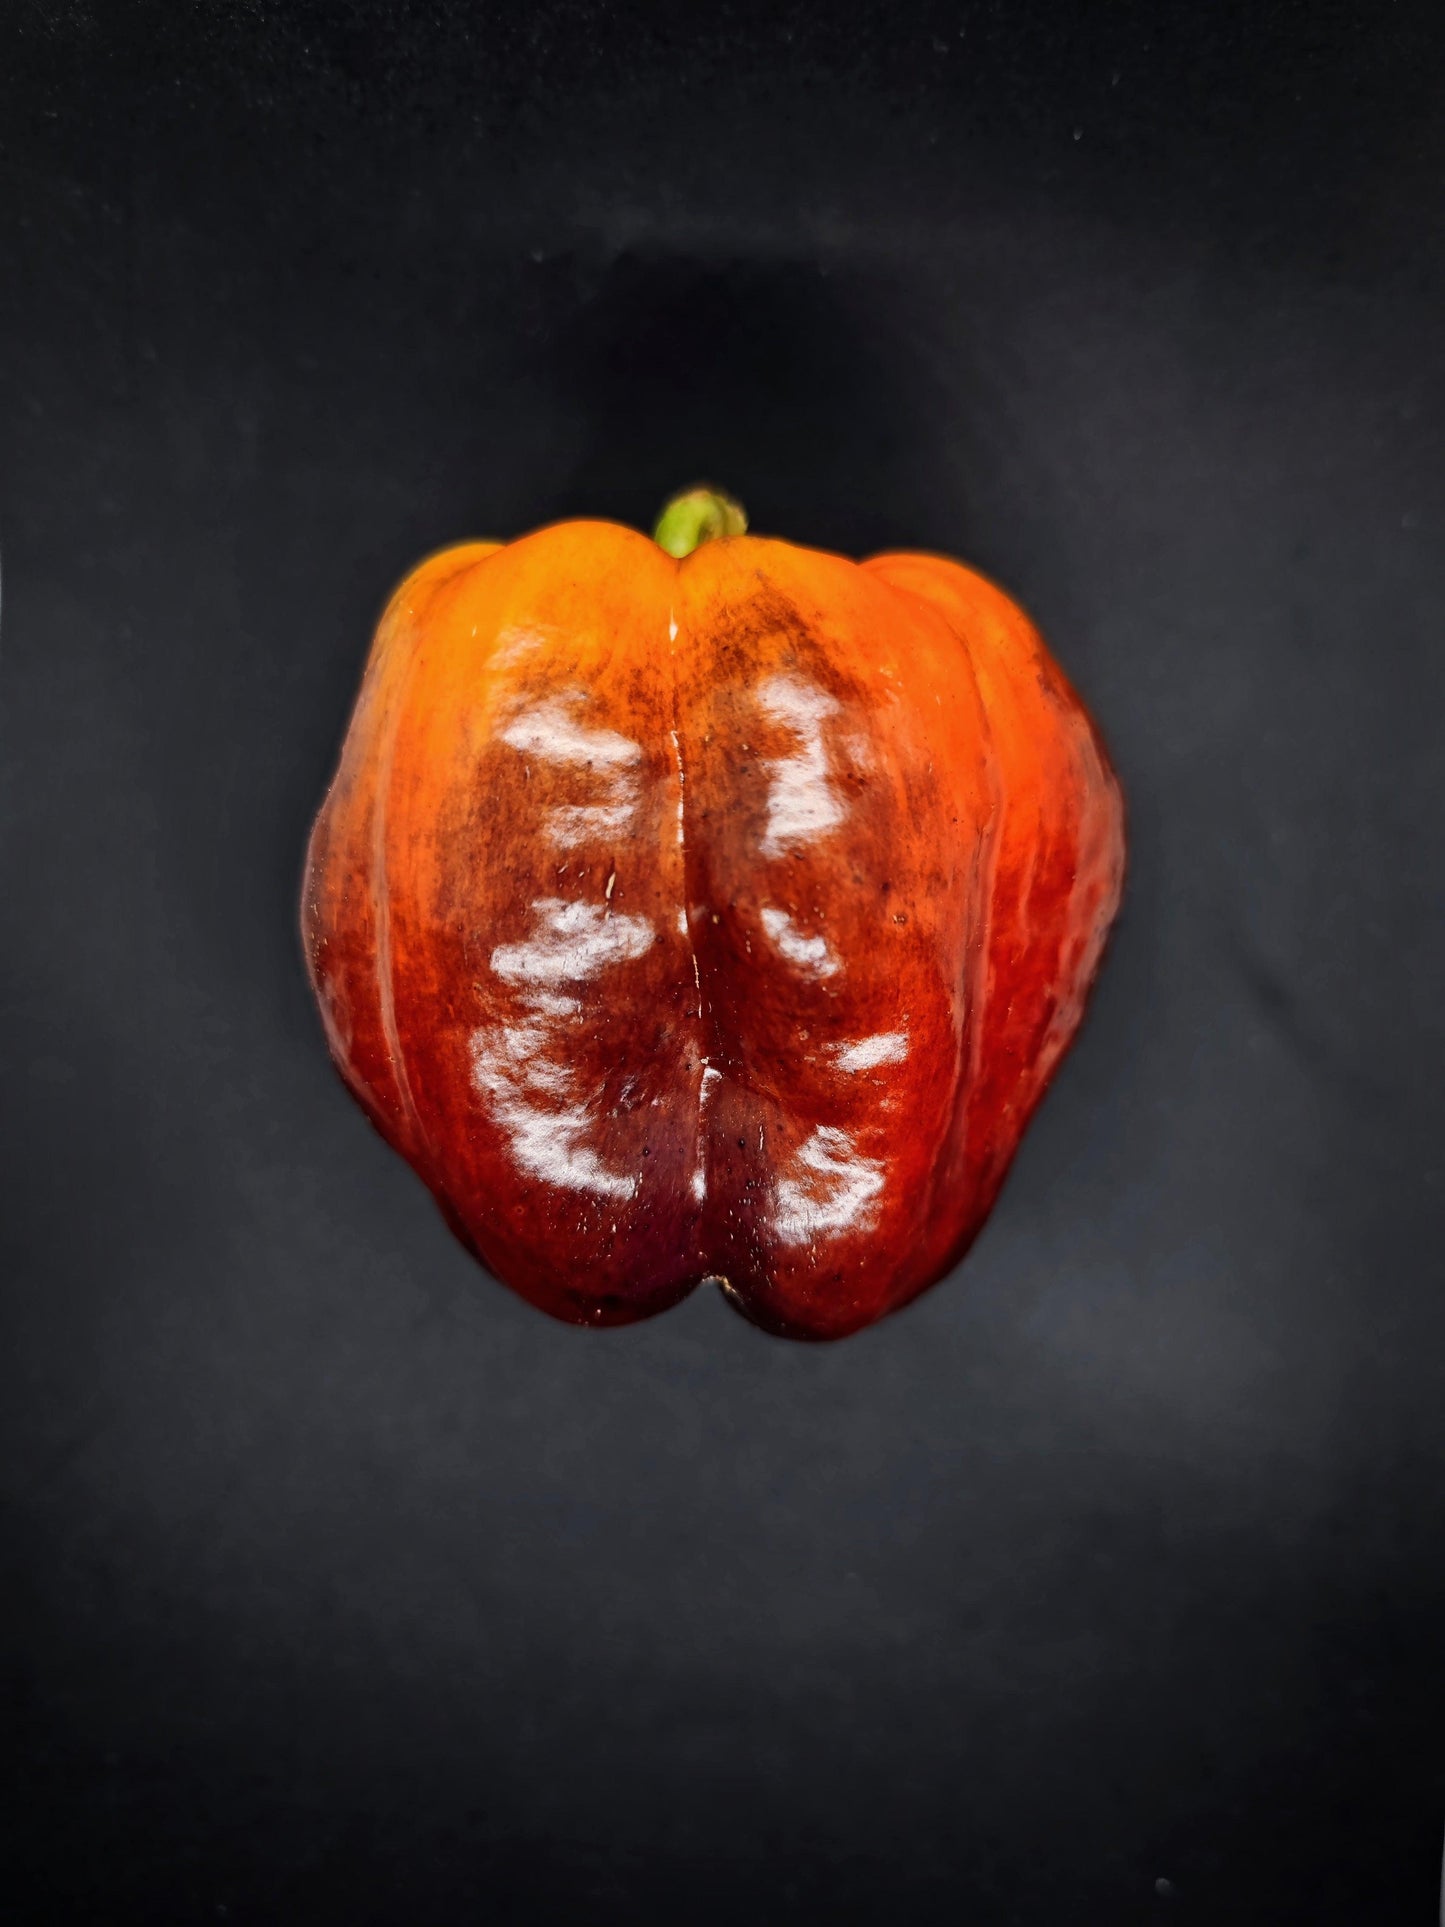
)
(697, 515)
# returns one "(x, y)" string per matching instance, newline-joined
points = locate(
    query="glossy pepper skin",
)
(722, 917)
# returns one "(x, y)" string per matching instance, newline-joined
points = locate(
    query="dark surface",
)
(340, 1586)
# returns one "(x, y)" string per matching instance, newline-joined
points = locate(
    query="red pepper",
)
(709, 907)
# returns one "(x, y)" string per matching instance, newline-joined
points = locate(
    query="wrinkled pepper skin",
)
(718, 918)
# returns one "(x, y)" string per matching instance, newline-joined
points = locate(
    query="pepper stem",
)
(697, 515)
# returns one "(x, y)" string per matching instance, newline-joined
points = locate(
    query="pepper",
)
(709, 907)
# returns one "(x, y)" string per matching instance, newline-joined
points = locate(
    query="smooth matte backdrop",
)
(1105, 1584)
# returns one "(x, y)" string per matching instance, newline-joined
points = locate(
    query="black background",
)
(1108, 1582)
